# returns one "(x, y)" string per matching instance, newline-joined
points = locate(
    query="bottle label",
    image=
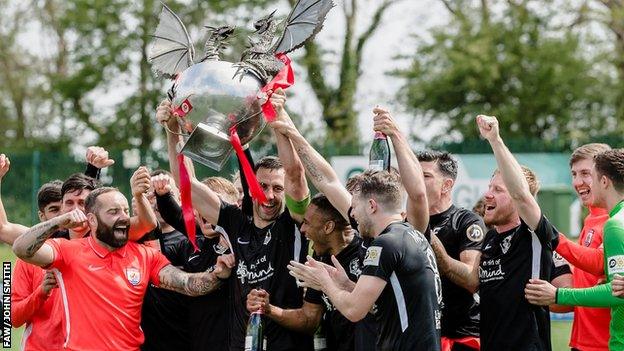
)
(376, 165)
(320, 344)
(248, 341)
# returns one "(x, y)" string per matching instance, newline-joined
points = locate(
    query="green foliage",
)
(536, 80)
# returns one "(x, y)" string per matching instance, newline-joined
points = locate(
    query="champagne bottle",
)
(379, 157)
(254, 340)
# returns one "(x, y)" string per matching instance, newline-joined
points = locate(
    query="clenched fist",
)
(140, 181)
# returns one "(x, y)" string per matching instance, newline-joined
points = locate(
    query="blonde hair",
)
(530, 177)
(223, 187)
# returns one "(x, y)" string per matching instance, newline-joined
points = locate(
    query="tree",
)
(514, 65)
(337, 102)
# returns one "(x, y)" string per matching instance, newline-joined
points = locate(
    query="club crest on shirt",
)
(588, 238)
(372, 256)
(506, 244)
(615, 264)
(558, 260)
(475, 233)
(435, 230)
(354, 267)
(219, 249)
(133, 275)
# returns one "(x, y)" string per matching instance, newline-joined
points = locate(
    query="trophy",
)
(216, 100)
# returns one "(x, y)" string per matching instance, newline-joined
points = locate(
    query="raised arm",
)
(97, 159)
(196, 284)
(511, 172)
(205, 201)
(31, 246)
(295, 183)
(144, 221)
(8, 231)
(409, 169)
(317, 168)
(460, 273)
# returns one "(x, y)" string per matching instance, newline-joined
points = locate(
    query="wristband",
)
(297, 207)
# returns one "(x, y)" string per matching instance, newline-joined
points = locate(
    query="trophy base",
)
(208, 146)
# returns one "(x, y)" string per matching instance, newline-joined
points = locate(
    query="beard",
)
(113, 236)
(365, 227)
(501, 216)
(269, 214)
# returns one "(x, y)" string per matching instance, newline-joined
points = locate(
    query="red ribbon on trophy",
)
(187, 203)
(254, 187)
(283, 79)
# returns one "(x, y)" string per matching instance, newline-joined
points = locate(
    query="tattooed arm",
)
(460, 273)
(317, 168)
(30, 246)
(196, 284)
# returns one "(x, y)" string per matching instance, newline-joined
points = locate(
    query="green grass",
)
(560, 330)
(560, 335)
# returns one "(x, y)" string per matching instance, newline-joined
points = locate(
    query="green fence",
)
(29, 170)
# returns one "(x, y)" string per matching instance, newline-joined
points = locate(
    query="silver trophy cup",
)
(216, 98)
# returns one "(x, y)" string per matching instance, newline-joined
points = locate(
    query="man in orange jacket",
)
(590, 329)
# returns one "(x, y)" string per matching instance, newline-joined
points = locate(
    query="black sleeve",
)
(247, 205)
(472, 231)
(560, 266)
(382, 258)
(171, 213)
(173, 252)
(313, 296)
(231, 219)
(547, 234)
(154, 234)
(92, 171)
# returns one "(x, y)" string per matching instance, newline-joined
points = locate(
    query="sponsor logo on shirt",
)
(256, 272)
(588, 238)
(373, 254)
(133, 275)
(491, 270)
(93, 268)
(615, 264)
(475, 233)
(328, 305)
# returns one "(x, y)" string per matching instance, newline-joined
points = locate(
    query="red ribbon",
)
(187, 203)
(254, 188)
(283, 79)
(468, 341)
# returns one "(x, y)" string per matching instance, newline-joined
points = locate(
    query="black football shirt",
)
(408, 307)
(262, 255)
(207, 314)
(508, 261)
(458, 229)
(339, 331)
(165, 313)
